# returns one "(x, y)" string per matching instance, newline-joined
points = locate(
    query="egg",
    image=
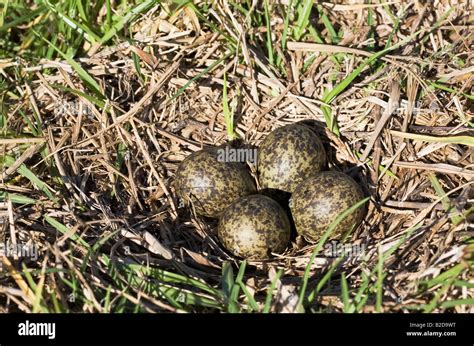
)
(253, 227)
(317, 202)
(210, 183)
(288, 156)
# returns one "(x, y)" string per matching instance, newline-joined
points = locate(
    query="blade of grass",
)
(58, 308)
(455, 302)
(99, 103)
(453, 272)
(450, 90)
(199, 75)
(81, 29)
(107, 300)
(227, 286)
(328, 25)
(239, 281)
(370, 24)
(26, 173)
(303, 18)
(330, 95)
(234, 295)
(22, 19)
(108, 15)
(95, 249)
(464, 140)
(396, 26)
(88, 80)
(447, 205)
(136, 64)
(379, 268)
(228, 114)
(213, 27)
(170, 277)
(320, 244)
(284, 35)
(30, 125)
(127, 18)
(269, 33)
(3, 12)
(382, 168)
(361, 296)
(433, 304)
(348, 307)
(379, 282)
(326, 277)
(268, 298)
(38, 303)
(65, 230)
(17, 198)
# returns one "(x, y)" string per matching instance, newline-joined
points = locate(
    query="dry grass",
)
(90, 182)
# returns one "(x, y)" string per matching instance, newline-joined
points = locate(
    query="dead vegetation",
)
(88, 164)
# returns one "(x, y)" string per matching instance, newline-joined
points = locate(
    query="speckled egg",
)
(253, 227)
(210, 183)
(288, 156)
(317, 202)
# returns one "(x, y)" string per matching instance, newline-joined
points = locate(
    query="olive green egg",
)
(210, 183)
(288, 156)
(253, 227)
(317, 202)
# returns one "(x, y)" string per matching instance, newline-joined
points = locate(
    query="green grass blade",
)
(169, 277)
(370, 24)
(345, 294)
(453, 303)
(228, 285)
(464, 140)
(447, 205)
(94, 100)
(382, 168)
(234, 294)
(81, 29)
(251, 300)
(361, 296)
(38, 303)
(326, 277)
(321, 243)
(88, 80)
(108, 15)
(329, 27)
(284, 35)
(303, 18)
(27, 17)
(126, 19)
(3, 12)
(330, 95)
(271, 58)
(450, 90)
(433, 304)
(17, 198)
(379, 282)
(228, 114)
(65, 230)
(453, 272)
(271, 289)
(199, 75)
(26, 173)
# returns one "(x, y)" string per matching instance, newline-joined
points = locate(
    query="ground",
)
(100, 103)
